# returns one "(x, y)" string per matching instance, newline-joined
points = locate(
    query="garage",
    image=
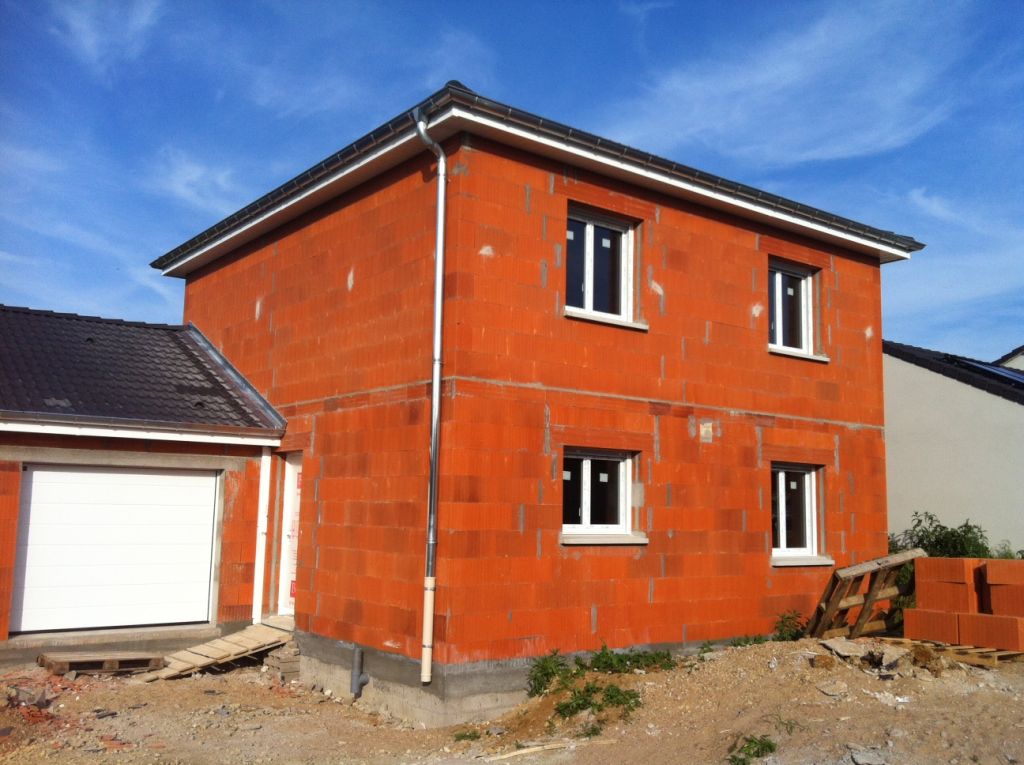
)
(113, 547)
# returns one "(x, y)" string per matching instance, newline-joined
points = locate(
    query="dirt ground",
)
(700, 712)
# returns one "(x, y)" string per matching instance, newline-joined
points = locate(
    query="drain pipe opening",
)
(359, 678)
(429, 578)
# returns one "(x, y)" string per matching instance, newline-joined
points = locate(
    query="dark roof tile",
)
(61, 366)
(989, 377)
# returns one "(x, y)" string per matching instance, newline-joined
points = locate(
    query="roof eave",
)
(453, 110)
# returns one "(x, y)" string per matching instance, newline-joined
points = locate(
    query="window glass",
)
(604, 491)
(796, 504)
(792, 311)
(607, 270)
(572, 485)
(575, 258)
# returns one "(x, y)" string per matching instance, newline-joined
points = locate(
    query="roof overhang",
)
(99, 428)
(455, 112)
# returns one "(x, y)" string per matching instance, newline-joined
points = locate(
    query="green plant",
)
(591, 729)
(744, 640)
(705, 648)
(786, 724)
(789, 626)
(580, 699)
(612, 663)
(467, 735)
(627, 700)
(968, 540)
(753, 746)
(544, 670)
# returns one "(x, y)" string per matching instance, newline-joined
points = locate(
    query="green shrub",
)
(627, 700)
(467, 735)
(613, 663)
(580, 699)
(753, 746)
(744, 640)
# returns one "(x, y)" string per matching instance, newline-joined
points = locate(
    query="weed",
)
(784, 723)
(544, 671)
(753, 746)
(613, 663)
(705, 648)
(591, 729)
(789, 626)
(467, 735)
(745, 640)
(627, 700)
(580, 699)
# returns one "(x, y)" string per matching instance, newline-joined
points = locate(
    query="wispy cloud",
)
(179, 175)
(26, 159)
(104, 33)
(860, 80)
(458, 54)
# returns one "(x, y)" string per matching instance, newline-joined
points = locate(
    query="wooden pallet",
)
(968, 654)
(251, 640)
(832, 617)
(98, 662)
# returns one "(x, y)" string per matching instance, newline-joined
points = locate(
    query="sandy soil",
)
(698, 713)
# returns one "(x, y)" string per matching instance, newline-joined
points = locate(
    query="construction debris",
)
(283, 662)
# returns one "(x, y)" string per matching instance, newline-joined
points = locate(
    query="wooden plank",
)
(888, 561)
(263, 632)
(217, 654)
(858, 600)
(242, 641)
(232, 649)
(195, 659)
(879, 581)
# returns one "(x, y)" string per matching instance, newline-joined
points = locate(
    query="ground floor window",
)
(595, 492)
(794, 510)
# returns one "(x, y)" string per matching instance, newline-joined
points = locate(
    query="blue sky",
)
(128, 127)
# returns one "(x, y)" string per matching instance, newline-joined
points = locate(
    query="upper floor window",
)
(791, 307)
(599, 265)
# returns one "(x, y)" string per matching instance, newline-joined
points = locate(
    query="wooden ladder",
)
(842, 594)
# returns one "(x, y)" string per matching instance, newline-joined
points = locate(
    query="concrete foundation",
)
(457, 694)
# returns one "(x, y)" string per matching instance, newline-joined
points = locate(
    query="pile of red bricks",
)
(968, 601)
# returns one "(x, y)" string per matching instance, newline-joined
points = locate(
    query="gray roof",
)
(987, 376)
(457, 94)
(67, 369)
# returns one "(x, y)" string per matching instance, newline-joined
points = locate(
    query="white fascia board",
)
(717, 199)
(289, 208)
(148, 435)
(456, 118)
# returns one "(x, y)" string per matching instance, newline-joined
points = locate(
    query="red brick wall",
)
(522, 382)
(238, 525)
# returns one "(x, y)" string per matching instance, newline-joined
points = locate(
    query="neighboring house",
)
(129, 469)
(955, 440)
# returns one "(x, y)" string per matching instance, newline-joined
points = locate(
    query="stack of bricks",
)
(968, 601)
(284, 662)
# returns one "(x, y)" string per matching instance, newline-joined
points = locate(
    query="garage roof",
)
(62, 368)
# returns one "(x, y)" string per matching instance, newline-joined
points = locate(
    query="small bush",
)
(968, 540)
(789, 626)
(467, 735)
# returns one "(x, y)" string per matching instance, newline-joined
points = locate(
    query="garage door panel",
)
(104, 547)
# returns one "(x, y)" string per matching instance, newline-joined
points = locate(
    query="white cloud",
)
(859, 80)
(104, 33)
(458, 55)
(179, 175)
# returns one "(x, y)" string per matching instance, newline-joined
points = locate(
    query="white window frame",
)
(625, 230)
(776, 269)
(624, 526)
(809, 475)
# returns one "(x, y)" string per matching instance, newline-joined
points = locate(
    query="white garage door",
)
(108, 547)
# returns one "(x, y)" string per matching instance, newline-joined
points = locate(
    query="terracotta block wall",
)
(330, 318)
(10, 493)
(237, 529)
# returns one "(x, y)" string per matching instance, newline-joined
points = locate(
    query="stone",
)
(845, 649)
(867, 757)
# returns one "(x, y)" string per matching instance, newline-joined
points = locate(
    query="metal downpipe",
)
(429, 579)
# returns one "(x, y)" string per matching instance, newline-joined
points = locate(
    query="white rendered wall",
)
(953, 450)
